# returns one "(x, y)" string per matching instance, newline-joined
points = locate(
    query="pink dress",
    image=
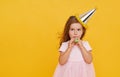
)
(75, 66)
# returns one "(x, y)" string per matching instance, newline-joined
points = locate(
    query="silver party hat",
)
(85, 17)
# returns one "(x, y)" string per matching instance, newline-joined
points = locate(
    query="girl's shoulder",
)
(86, 45)
(63, 46)
(65, 42)
(84, 41)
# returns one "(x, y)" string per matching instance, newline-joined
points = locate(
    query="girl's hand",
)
(79, 42)
(71, 43)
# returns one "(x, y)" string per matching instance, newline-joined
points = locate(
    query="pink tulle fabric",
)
(75, 69)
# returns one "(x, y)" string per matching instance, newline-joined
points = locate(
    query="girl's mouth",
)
(75, 36)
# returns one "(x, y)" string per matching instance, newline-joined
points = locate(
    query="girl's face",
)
(75, 30)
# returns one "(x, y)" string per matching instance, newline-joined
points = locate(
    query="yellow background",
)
(29, 31)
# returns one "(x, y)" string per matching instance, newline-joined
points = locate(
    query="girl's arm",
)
(63, 58)
(87, 55)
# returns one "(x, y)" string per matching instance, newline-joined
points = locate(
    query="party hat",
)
(85, 17)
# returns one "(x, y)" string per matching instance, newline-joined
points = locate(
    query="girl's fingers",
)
(71, 41)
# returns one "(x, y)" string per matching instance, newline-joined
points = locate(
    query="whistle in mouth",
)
(76, 40)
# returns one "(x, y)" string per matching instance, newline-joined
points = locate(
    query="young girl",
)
(75, 58)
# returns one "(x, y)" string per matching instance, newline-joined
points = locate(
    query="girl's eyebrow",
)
(71, 28)
(75, 28)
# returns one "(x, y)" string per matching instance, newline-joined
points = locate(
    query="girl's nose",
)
(75, 32)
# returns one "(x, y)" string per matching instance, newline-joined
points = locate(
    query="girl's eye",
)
(72, 29)
(79, 29)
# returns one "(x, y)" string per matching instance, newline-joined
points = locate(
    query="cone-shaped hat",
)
(85, 17)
